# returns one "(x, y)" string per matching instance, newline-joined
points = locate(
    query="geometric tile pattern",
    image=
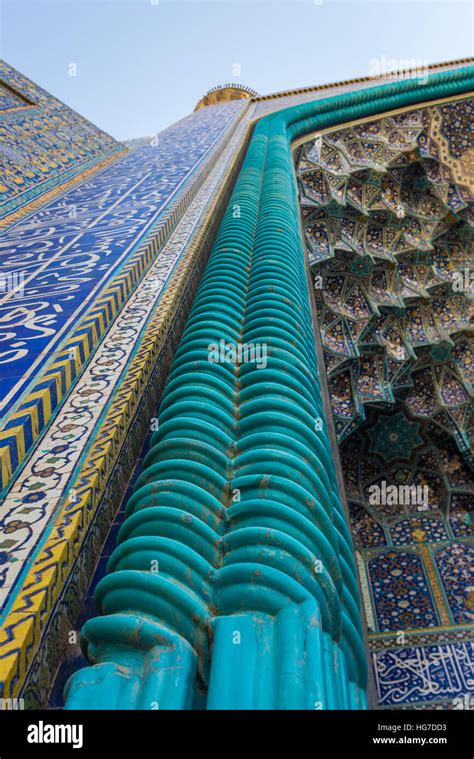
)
(43, 142)
(11, 100)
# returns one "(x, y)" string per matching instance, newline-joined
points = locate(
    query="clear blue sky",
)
(141, 67)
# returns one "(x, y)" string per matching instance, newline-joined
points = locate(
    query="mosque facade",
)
(236, 401)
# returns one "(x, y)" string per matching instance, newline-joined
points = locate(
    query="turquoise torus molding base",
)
(233, 585)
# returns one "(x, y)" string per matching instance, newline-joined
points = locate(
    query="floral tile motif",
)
(401, 594)
(455, 564)
(366, 532)
(418, 529)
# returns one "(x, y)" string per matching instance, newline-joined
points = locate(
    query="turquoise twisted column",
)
(234, 575)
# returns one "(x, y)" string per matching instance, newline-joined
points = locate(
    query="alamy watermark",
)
(12, 704)
(12, 281)
(241, 353)
(384, 494)
(463, 281)
(46, 733)
(464, 701)
(399, 68)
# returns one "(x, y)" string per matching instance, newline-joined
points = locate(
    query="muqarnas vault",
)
(236, 433)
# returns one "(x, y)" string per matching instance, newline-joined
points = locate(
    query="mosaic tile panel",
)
(11, 100)
(401, 593)
(455, 564)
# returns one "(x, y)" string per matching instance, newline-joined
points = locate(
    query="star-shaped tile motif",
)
(395, 437)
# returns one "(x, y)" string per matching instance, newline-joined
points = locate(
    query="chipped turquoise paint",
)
(254, 601)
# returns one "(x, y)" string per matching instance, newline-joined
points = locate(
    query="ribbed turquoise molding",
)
(255, 602)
